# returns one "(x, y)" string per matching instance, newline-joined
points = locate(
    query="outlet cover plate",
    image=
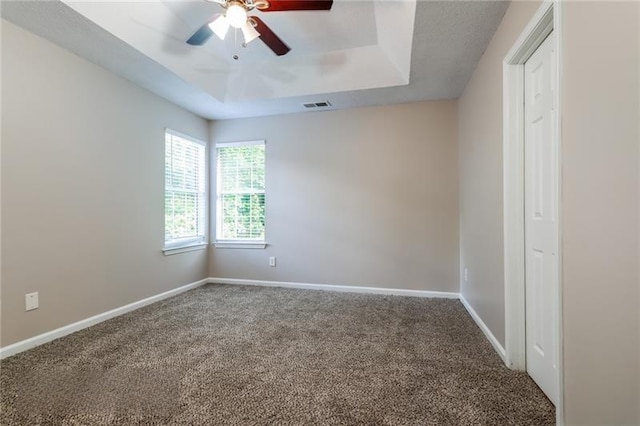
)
(31, 301)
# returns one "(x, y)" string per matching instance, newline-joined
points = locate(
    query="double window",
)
(185, 197)
(240, 195)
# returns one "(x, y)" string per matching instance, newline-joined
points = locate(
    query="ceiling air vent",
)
(324, 104)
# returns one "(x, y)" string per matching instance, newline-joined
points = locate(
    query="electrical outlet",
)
(31, 301)
(272, 261)
(466, 275)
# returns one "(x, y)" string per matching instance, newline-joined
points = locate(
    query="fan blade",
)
(282, 5)
(270, 38)
(201, 36)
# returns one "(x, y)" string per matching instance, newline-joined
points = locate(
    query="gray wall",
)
(599, 202)
(480, 157)
(361, 197)
(82, 188)
(364, 197)
(600, 213)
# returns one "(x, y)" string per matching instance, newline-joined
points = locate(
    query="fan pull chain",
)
(235, 43)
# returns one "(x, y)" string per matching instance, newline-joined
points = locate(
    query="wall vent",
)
(323, 104)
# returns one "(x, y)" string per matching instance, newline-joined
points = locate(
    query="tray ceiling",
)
(360, 53)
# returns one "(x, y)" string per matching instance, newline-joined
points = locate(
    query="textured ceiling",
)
(351, 58)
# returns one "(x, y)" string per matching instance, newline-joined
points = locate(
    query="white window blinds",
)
(240, 191)
(185, 191)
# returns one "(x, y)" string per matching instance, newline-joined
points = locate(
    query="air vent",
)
(324, 104)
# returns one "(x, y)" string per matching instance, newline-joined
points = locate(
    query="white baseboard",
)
(492, 339)
(41, 339)
(343, 288)
(375, 290)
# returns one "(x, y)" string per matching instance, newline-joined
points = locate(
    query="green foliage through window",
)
(184, 195)
(241, 196)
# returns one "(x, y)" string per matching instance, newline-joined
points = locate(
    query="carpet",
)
(240, 355)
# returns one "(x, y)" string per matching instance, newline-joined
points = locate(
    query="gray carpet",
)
(232, 355)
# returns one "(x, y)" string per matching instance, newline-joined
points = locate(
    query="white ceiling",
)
(362, 52)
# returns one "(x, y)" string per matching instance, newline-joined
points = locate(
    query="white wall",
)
(364, 197)
(82, 188)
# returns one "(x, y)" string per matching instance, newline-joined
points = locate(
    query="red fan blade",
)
(270, 38)
(282, 5)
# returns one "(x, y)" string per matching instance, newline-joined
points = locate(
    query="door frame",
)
(547, 18)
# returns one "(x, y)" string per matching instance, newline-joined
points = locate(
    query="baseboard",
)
(374, 290)
(492, 339)
(342, 288)
(41, 339)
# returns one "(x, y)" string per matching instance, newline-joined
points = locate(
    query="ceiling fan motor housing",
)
(252, 26)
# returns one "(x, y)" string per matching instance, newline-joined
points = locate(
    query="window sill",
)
(239, 245)
(184, 249)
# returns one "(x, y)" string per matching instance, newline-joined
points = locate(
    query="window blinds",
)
(185, 186)
(241, 191)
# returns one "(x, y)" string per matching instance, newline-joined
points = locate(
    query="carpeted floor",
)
(233, 355)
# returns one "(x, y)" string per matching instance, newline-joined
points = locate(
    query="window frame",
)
(199, 242)
(235, 243)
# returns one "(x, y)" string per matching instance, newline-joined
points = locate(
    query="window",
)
(185, 197)
(240, 212)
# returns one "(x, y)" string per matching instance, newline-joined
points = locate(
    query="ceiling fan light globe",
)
(249, 32)
(220, 27)
(236, 16)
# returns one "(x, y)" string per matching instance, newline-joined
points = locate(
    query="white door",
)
(541, 218)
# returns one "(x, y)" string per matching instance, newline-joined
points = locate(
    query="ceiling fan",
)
(253, 27)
